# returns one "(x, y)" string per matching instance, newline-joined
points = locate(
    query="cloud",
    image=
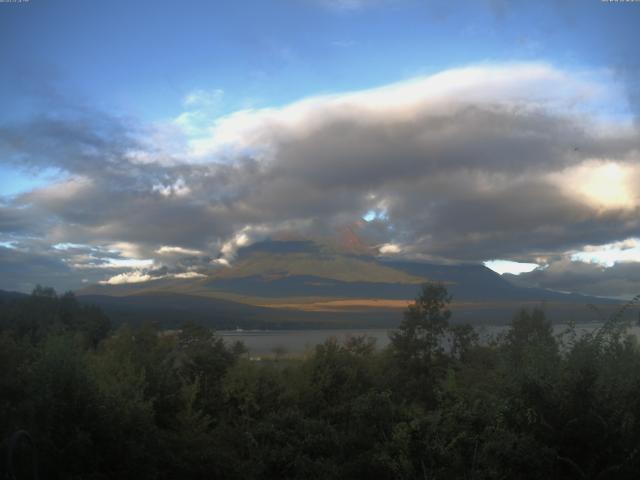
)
(509, 161)
(506, 266)
(178, 188)
(30, 262)
(517, 91)
(201, 107)
(610, 270)
(189, 275)
(169, 250)
(621, 280)
(608, 255)
(141, 276)
(128, 277)
(602, 183)
(390, 248)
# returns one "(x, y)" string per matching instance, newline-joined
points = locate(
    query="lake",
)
(266, 342)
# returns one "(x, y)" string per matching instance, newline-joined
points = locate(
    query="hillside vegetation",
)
(135, 403)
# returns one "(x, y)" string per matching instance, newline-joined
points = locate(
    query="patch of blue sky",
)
(15, 180)
(372, 215)
(70, 246)
(271, 53)
(369, 216)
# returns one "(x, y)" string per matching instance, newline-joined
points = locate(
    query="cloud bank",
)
(515, 161)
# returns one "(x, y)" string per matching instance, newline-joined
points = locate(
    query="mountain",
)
(7, 296)
(298, 284)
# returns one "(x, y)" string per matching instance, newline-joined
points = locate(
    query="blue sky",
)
(130, 73)
(141, 58)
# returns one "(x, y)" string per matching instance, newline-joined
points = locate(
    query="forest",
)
(100, 401)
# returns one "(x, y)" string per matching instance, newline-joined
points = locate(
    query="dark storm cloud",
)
(14, 221)
(459, 173)
(367, 153)
(523, 218)
(78, 140)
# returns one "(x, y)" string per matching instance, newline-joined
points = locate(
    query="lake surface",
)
(267, 342)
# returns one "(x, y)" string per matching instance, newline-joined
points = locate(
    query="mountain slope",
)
(302, 283)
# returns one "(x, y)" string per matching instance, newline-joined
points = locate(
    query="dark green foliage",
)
(418, 341)
(43, 313)
(419, 344)
(141, 403)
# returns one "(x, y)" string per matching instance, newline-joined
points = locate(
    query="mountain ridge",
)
(300, 282)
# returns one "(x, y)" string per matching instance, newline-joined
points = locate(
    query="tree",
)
(419, 338)
(203, 357)
(418, 345)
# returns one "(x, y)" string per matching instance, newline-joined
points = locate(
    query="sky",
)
(146, 139)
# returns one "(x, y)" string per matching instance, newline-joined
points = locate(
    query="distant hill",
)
(6, 296)
(296, 284)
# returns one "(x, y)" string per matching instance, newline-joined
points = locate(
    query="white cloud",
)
(173, 250)
(90, 262)
(127, 277)
(178, 188)
(126, 249)
(242, 238)
(507, 266)
(627, 251)
(390, 248)
(128, 262)
(519, 85)
(189, 275)
(221, 261)
(140, 276)
(605, 184)
(201, 109)
(238, 241)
